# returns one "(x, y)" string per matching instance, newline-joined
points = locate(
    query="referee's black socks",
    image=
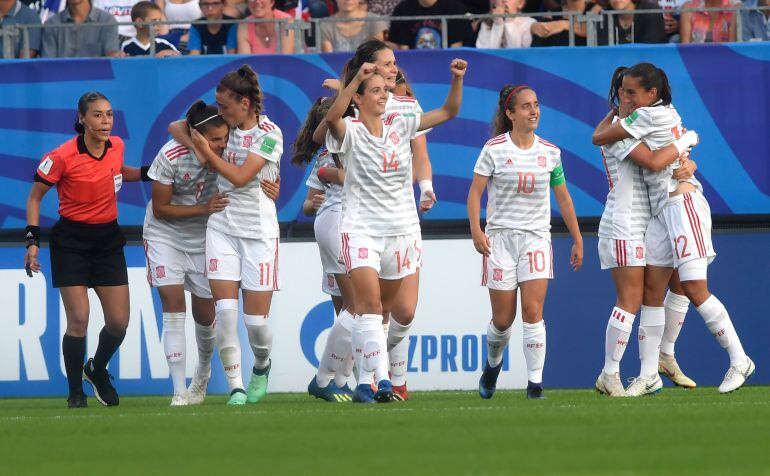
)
(74, 351)
(108, 345)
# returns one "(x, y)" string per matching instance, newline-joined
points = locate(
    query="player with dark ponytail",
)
(86, 244)
(519, 169)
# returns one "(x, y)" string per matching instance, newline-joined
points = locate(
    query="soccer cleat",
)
(640, 386)
(330, 393)
(237, 397)
(196, 392)
(488, 380)
(346, 390)
(736, 376)
(535, 390)
(257, 388)
(400, 393)
(179, 400)
(363, 394)
(100, 382)
(668, 367)
(384, 392)
(77, 399)
(610, 385)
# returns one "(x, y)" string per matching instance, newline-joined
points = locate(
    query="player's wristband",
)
(425, 187)
(32, 235)
(145, 169)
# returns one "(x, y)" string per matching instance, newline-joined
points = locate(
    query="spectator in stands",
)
(260, 38)
(426, 34)
(671, 20)
(236, 8)
(13, 12)
(79, 40)
(505, 32)
(139, 45)
(708, 27)
(121, 10)
(382, 7)
(183, 11)
(755, 22)
(642, 28)
(346, 36)
(554, 30)
(213, 38)
(474, 7)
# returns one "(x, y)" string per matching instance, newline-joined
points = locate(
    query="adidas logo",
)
(509, 162)
(186, 176)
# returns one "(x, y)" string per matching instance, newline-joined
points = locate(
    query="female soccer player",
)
(518, 168)
(622, 229)
(324, 200)
(380, 228)
(184, 194)
(405, 303)
(86, 243)
(679, 234)
(242, 239)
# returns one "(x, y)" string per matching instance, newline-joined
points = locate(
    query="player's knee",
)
(77, 323)
(653, 295)
(369, 306)
(630, 300)
(532, 312)
(696, 291)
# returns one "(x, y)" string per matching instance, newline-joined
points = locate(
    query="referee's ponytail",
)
(83, 103)
(202, 116)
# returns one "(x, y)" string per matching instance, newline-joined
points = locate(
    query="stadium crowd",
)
(117, 37)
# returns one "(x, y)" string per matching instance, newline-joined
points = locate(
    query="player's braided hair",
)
(650, 76)
(304, 147)
(202, 117)
(506, 102)
(83, 103)
(243, 83)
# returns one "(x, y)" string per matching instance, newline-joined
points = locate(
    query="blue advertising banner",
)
(721, 92)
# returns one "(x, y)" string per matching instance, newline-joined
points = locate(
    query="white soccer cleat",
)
(610, 385)
(179, 400)
(736, 376)
(668, 367)
(196, 392)
(644, 386)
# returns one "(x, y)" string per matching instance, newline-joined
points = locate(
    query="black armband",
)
(144, 170)
(33, 235)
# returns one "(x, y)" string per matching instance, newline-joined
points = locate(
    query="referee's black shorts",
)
(83, 254)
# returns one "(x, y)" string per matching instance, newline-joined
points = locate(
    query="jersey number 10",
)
(526, 183)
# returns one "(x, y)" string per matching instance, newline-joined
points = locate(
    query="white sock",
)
(497, 341)
(676, 309)
(721, 326)
(174, 347)
(336, 351)
(227, 341)
(398, 351)
(652, 321)
(370, 348)
(616, 339)
(260, 339)
(534, 350)
(206, 338)
(345, 367)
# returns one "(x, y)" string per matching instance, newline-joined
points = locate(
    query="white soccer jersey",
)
(332, 192)
(250, 213)
(192, 184)
(627, 209)
(657, 126)
(404, 105)
(519, 184)
(377, 197)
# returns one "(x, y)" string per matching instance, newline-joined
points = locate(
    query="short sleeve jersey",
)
(332, 192)
(87, 185)
(519, 184)
(657, 126)
(378, 199)
(250, 213)
(627, 209)
(404, 105)
(192, 184)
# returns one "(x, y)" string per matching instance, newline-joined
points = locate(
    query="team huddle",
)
(211, 229)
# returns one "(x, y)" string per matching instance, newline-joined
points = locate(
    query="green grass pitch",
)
(696, 432)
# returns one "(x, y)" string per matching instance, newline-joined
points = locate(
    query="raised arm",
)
(334, 117)
(180, 132)
(422, 170)
(453, 100)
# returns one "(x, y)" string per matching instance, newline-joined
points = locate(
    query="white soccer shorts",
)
(658, 244)
(327, 236)
(253, 262)
(517, 256)
(168, 266)
(621, 253)
(688, 221)
(393, 257)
